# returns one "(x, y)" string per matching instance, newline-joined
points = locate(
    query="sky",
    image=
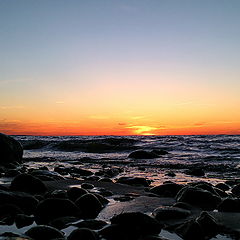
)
(129, 67)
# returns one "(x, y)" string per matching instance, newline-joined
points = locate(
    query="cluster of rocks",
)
(28, 201)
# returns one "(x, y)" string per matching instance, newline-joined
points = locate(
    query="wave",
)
(101, 145)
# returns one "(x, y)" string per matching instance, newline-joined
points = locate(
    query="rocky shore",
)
(42, 204)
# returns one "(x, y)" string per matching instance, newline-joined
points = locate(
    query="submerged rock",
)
(41, 232)
(27, 183)
(10, 150)
(143, 155)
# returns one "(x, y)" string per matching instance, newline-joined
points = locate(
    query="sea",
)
(218, 156)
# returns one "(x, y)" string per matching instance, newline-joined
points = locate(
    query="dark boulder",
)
(159, 152)
(24, 201)
(167, 190)
(137, 222)
(198, 197)
(75, 192)
(22, 220)
(87, 186)
(53, 208)
(166, 213)
(56, 194)
(143, 155)
(8, 212)
(208, 224)
(63, 222)
(222, 186)
(134, 181)
(118, 232)
(197, 172)
(27, 183)
(229, 205)
(190, 230)
(83, 234)
(41, 232)
(80, 171)
(236, 190)
(46, 174)
(10, 150)
(89, 205)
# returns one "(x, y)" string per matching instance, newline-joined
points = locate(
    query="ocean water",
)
(217, 155)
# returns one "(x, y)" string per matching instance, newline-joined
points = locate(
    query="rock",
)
(183, 205)
(90, 223)
(83, 234)
(22, 220)
(10, 150)
(236, 190)
(87, 186)
(81, 172)
(105, 179)
(61, 170)
(170, 174)
(159, 152)
(221, 193)
(134, 181)
(63, 222)
(24, 201)
(27, 183)
(190, 230)
(222, 186)
(104, 201)
(74, 193)
(198, 197)
(197, 172)
(12, 173)
(8, 212)
(89, 205)
(46, 174)
(167, 190)
(208, 224)
(229, 205)
(117, 232)
(53, 208)
(166, 213)
(137, 222)
(56, 194)
(143, 155)
(41, 232)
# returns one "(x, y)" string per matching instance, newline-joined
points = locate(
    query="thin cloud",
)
(11, 107)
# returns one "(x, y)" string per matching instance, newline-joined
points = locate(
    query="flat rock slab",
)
(142, 204)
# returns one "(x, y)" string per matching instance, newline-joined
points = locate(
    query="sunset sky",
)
(108, 67)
